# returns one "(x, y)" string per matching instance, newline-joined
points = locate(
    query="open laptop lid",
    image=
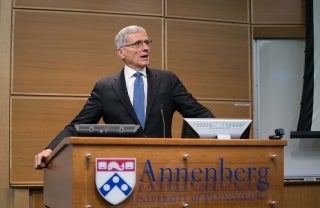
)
(221, 128)
(105, 130)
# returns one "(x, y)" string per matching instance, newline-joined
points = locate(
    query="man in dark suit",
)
(112, 98)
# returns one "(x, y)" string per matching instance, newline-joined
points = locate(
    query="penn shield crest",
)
(115, 178)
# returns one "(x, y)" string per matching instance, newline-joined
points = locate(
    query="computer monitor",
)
(218, 128)
(105, 130)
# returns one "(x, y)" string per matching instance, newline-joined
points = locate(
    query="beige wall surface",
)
(60, 49)
(211, 58)
(142, 7)
(6, 194)
(52, 52)
(219, 10)
(67, 52)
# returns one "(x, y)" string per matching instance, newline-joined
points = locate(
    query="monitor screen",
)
(216, 128)
(104, 130)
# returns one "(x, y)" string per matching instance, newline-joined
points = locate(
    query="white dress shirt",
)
(130, 78)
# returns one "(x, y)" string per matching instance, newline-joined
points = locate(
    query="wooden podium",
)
(166, 173)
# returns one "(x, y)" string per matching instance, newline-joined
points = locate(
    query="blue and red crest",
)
(115, 178)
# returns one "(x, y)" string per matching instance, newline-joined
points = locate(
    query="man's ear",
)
(120, 53)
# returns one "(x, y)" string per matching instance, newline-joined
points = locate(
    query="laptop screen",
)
(216, 128)
(105, 130)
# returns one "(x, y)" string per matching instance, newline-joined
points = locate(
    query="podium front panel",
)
(181, 174)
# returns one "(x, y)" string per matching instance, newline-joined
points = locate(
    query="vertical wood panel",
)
(278, 12)
(35, 121)
(21, 198)
(36, 199)
(211, 58)
(5, 49)
(68, 52)
(149, 7)
(302, 195)
(6, 196)
(231, 10)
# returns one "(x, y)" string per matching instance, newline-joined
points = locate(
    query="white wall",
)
(278, 74)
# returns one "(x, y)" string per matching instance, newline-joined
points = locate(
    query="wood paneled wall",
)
(60, 48)
(66, 52)
(298, 195)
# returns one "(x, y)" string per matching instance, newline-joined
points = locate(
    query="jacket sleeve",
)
(90, 113)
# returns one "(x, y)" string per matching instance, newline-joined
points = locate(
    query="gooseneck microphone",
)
(163, 122)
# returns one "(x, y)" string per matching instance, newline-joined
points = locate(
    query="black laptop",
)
(107, 130)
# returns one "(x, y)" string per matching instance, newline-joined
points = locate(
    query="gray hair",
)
(121, 38)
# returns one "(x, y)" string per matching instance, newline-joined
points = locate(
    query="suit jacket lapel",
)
(119, 86)
(153, 87)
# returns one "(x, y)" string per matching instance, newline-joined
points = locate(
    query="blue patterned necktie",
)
(138, 98)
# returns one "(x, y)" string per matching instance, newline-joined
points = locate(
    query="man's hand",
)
(40, 159)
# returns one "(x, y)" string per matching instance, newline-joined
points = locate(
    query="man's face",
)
(136, 53)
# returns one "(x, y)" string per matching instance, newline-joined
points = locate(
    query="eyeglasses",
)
(139, 43)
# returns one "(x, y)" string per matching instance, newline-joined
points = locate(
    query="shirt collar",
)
(129, 72)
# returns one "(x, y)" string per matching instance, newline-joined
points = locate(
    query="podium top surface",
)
(170, 141)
